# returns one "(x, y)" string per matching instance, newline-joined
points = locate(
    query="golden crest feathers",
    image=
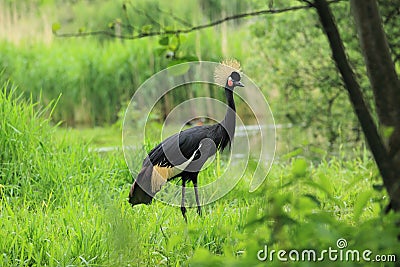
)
(224, 70)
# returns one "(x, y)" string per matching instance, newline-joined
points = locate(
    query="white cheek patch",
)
(230, 82)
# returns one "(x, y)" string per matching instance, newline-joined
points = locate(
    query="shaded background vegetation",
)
(63, 204)
(285, 54)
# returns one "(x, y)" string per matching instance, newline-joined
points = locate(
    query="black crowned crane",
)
(184, 154)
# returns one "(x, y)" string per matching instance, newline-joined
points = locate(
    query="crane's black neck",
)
(229, 122)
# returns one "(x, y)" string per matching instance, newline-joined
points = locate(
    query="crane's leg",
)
(183, 209)
(196, 193)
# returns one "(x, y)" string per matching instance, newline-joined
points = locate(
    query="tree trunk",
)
(380, 68)
(386, 164)
(382, 75)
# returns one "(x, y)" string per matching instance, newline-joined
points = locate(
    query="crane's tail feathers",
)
(139, 196)
(140, 190)
(149, 182)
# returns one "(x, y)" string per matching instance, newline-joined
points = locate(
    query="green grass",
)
(96, 137)
(63, 205)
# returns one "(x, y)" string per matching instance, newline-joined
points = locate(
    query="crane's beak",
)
(240, 84)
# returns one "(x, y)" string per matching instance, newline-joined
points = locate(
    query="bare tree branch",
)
(308, 2)
(191, 29)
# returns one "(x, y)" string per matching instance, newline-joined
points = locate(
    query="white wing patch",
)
(160, 175)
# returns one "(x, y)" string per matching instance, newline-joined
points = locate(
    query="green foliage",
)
(94, 81)
(61, 204)
(299, 167)
(287, 55)
(296, 58)
(391, 25)
(55, 27)
(43, 185)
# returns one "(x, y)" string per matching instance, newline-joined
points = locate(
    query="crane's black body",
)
(183, 154)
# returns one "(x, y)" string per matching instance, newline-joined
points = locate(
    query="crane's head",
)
(234, 80)
(227, 74)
